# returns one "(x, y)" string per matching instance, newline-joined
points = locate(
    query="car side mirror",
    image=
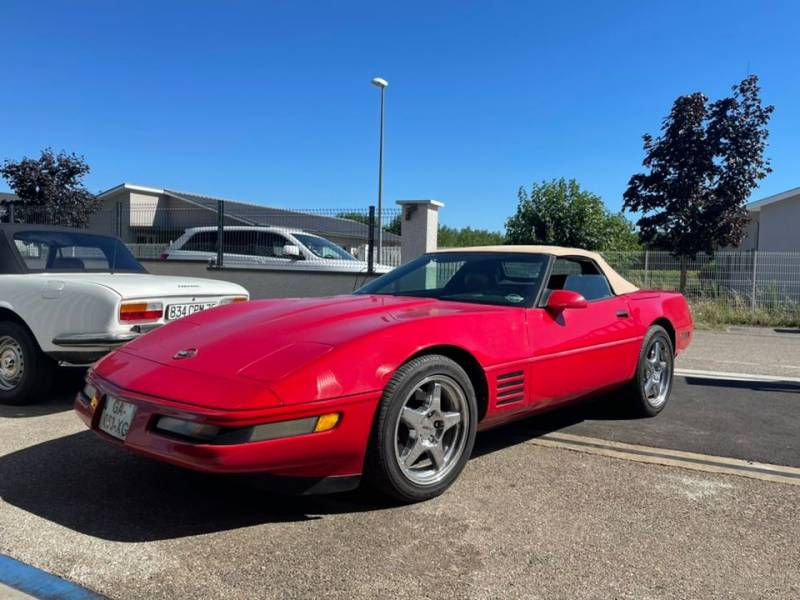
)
(291, 251)
(560, 300)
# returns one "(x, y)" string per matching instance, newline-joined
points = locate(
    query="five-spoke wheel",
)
(650, 389)
(425, 429)
(430, 434)
(657, 373)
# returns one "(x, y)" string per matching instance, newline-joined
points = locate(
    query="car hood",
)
(144, 285)
(267, 340)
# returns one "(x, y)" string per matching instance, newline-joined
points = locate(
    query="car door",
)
(580, 350)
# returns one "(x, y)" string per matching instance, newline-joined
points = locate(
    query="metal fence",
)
(232, 234)
(758, 283)
(749, 286)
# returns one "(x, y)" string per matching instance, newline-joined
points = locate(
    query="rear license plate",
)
(117, 417)
(178, 311)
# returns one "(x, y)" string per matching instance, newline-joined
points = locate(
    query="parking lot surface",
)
(749, 420)
(524, 521)
(760, 350)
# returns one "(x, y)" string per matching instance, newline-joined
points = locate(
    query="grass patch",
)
(716, 313)
(720, 289)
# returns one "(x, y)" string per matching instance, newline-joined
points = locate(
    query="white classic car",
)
(69, 297)
(267, 247)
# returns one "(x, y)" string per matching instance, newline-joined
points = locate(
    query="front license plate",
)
(178, 311)
(117, 417)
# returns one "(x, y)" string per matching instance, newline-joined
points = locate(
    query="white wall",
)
(265, 283)
(779, 226)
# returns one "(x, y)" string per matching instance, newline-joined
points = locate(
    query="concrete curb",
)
(671, 458)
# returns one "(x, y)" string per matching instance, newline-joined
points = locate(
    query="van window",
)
(202, 241)
(255, 243)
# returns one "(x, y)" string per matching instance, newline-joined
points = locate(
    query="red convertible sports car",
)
(392, 383)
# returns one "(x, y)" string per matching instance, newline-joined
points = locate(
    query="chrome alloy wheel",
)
(431, 430)
(657, 373)
(12, 363)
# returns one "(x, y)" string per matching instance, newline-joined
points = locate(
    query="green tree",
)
(451, 237)
(558, 212)
(620, 234)
(50, 189)
(700, 172)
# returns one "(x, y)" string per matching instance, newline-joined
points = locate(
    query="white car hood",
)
(144, 285)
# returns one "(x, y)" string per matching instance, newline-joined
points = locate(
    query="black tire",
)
(37, 369)
(383, 470)
(639, 397)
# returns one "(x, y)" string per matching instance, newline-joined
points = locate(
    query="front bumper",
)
(336, 453)
(106, 340)
(83, 349)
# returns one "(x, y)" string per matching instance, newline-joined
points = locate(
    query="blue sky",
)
(272, 102)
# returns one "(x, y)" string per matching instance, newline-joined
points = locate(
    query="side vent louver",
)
(510, 388)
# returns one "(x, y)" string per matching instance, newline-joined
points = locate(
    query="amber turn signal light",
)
(326, 422)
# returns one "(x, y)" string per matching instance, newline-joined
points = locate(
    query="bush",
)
(714, 313)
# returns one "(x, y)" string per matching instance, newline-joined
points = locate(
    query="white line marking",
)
(736, 376)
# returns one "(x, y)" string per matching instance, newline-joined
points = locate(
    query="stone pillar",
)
(419, 227)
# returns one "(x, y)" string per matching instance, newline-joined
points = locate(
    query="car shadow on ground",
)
(67, 383)
(602, 408)
(788, 387)
(86, 485)
(82, 483)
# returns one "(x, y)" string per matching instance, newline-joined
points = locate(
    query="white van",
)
(270, 247)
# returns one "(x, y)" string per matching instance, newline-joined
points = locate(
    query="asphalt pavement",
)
(523, 521)
(759, 350)
(756, 421)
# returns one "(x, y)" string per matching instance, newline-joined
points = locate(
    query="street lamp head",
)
(379, 82)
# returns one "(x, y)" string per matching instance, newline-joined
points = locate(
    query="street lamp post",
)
(383, 84)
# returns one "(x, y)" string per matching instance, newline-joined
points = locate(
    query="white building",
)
(775, 223)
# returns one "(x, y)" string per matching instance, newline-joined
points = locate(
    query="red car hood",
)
(263, 341)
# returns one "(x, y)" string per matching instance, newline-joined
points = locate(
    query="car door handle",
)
(622, 314)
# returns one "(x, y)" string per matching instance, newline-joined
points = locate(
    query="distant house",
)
(146, 215)
(774, 223)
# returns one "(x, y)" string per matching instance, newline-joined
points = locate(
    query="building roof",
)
(130, 186)
(619, 284)
(257, 214)
(756, 206)
(7, 197)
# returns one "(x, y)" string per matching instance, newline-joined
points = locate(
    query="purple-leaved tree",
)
(700, 172)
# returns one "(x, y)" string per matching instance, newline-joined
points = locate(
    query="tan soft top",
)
(619, 285)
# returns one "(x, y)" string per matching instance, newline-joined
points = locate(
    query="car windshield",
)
(506, 279)
(74, 252)
(323, 248)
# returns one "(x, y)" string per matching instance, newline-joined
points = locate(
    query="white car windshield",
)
(74, 252)
(323, 248)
